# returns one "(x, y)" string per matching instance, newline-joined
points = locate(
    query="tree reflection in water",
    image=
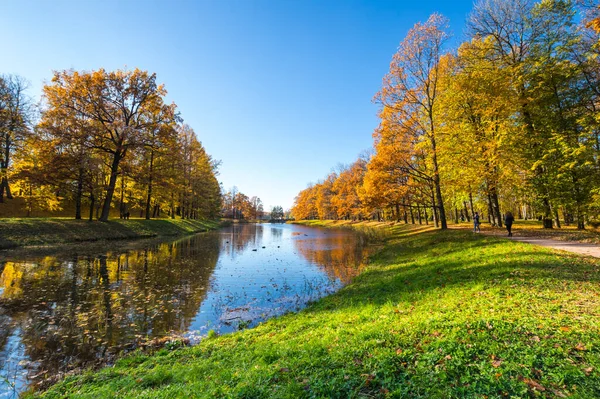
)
(71, 313)
(338, 253)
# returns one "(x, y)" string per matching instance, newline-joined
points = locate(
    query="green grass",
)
(19, 232)
(437, 314)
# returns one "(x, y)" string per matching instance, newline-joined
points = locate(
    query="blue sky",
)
(279, 91)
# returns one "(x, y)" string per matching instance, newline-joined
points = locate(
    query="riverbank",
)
(29, 232)
(437, 314)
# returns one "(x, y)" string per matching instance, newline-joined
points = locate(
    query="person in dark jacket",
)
(476, 223)
(508, 222)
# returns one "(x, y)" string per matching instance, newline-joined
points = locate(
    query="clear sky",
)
(280, 91)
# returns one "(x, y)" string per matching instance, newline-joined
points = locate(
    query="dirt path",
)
(575, 247)
(565, 240)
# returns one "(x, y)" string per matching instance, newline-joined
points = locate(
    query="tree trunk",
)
(149, 196)
(172, 207)
(436, 177)
(466, 211)
(471, 203)
(92, 202)
(4, 186)
(580, 222)
(547, 221)
(122, 200)
(426, 216)
(556, 218)
(496, 205)
(433, 212)
(30, 202)
(491, 219)
(79, 194)
(114, 172)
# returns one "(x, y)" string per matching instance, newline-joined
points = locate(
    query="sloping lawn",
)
(18, 232)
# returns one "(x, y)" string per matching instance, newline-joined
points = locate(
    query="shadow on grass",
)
(433, 260)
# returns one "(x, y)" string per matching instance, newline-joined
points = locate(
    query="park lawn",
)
(436, 314)
(19, 232)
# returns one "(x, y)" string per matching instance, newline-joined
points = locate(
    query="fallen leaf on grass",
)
(496, 363)
(565, 329)
(368, 378)
(533, 384)
(580, 346)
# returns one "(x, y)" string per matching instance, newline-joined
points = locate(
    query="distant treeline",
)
(509, 121)
(237, 205)
(103, 140)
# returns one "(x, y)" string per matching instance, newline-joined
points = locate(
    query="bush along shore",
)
(27, 232)
(437, 314)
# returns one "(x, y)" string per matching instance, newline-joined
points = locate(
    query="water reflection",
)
(60, 313)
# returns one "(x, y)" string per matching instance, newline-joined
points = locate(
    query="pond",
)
(61, 312)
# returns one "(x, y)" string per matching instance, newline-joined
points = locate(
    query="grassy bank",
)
(435, 315)
(19, 232)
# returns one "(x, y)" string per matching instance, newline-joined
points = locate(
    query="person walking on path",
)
(508, 222)
(476, 223)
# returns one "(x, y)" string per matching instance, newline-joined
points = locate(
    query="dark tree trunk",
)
(436, 179)
(92, 203)
(490, 211)
(122, 199)
(172, 207)
(79, 194)
(547, 221)
(149, 195)
(471, 203)
(556, 218)
(466, 211)
(496, 206)
(580, 221)
(433, 212)
(114, 172)
(4, 185)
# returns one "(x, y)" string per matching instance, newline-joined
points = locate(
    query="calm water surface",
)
(60, 313)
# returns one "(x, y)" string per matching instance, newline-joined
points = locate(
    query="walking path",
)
(575, 247)
(531, 237)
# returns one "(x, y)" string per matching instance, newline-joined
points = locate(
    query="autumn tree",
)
(256, 207)
(410, 91)
(122, 106)
(15, 124)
